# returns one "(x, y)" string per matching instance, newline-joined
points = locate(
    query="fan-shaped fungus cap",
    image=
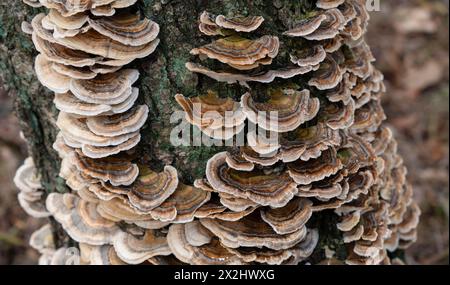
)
(48, 77)
(180, 207)
(80, 219)
(308, 143)
(306, 26)
(292, 108)
(126, 28)
(117, 209)
(309, 56)
(150, 189)
(111, 88)
(242, 79)
(135, 250)
(100, 255)
(75, 130)
(369, 117)
(328, 76)
(74, 22)
(236, 204)
(68, 103)
(63, 55)
(240, 23)
(240, 51)
(42, 240)
(33, 206)
(275, 189)
(96, 7)
(330, 27)
(211, 253)
(102, 152)
(276, 257)
(26, 178)
(98, 44)
(338, 115)
(306, 172)
(290, 218)
(118, 170)
(209, 111)
(196, 234)
(251, 231)
(329, 4)
(120, 124)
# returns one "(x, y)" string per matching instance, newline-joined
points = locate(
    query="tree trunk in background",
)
(163, 75)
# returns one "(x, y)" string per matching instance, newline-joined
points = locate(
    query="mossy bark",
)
(163, 75)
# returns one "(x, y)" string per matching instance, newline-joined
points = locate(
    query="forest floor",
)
(410, 40)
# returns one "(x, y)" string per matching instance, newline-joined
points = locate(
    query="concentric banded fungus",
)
(80, 219)
(211, 111)
(330, 151)
(250, 231)
(126, 28)
(292, 108)
(213, 253)
(242, 79)
(308, 143)
(150, 189)
(240, 51)
(290, 218)
(306, 172)
(275, 189)
(133, 250)
(182, 205)
(118, 170)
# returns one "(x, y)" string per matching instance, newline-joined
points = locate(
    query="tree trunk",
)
(163, 74)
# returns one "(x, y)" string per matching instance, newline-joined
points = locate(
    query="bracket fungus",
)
(264, 202)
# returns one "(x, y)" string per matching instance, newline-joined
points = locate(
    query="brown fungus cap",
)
(118, 170)
(265, 77)
(112, 88)
(251, 231)
(275, 189)
(136, 250)
(306, 26)
(120, 124)
(80, 219)
(75, 130)
(240, 51)
(328, 76)
(263, 255)
(181, 206)
(308, 143)
(209, 110)
(290, 218)
(309, 56)
(306, 172)
(150, 189)
(293, 108)
(129, 29)
(240, 23)
(213, 253)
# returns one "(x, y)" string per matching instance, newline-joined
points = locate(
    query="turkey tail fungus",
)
(132, 201)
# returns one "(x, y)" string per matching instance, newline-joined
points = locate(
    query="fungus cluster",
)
(333, 153)
(258, 203)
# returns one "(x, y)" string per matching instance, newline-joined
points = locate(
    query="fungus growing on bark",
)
(293, 108)
(253, 203)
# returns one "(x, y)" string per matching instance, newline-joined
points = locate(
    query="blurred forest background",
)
(409, 38)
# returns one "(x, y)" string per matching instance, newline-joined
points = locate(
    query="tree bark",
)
(163, 75)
